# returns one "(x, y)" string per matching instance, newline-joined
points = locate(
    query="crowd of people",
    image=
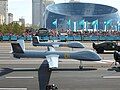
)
(54, 32)
(85, 33)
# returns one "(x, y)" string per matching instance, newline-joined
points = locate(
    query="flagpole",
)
(84, 26)
(69, 23)
(105, 27)
(118, 24)
(56, 26)
(75, 28)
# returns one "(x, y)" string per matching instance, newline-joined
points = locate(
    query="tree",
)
(35, 27)
(17, 29)
(5, 29)
(14, 28)
(1, 28)
(10, 27)
(22, 29)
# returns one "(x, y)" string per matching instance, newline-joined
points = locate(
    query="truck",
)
(107, 45)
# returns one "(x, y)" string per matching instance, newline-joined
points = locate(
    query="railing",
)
(63, 38)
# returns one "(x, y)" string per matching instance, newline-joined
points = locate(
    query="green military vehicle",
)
(108, 45)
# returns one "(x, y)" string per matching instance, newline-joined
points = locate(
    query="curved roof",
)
(83, 9)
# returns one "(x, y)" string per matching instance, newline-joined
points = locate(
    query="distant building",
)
(17, 22)
(2, 18)
(47, 2)
(10, 17)
(74, 1)
(38, 9)
(37, 12)
(4, 9)
(71, 0)
(28, 25)
(22, 20)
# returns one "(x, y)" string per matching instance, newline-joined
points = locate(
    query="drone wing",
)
(52, 60)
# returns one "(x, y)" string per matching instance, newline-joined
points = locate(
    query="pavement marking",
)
(24, 60)
(22, 68)
(5, 57)
(25, 69)
(20, 77)
(111, 77)
(13, 88)
(7, 51)
(105, 61)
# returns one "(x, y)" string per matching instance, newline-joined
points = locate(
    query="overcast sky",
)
(23, 8)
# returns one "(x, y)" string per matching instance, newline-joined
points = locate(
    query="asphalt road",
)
(33, 74)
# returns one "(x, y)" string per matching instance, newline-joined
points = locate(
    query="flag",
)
(107, 22)
(55, 23)
(95, 22)
(118, 22)
(82, 22)
(116, 27)
(69, 22)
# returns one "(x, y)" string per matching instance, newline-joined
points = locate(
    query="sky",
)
(23, 8)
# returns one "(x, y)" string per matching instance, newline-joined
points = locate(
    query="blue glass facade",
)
(77, 12)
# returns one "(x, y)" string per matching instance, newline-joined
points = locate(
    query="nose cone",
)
(88, 55)
(94, 56)
(76, 45)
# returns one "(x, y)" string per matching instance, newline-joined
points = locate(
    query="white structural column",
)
(118, 25)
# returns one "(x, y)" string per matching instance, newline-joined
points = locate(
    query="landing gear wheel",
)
(100, 50)
(50, 69)
(81, 66)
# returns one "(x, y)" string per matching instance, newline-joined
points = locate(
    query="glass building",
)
(68, 13)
